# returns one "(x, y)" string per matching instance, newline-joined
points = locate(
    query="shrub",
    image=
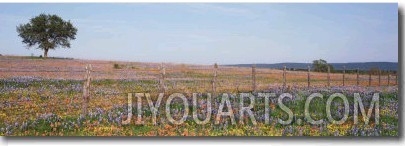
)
(117, 66)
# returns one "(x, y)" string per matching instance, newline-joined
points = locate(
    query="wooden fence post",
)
(162, 78)
(328, 76)
(344, 72)
(379, 77)
(357, 78)
(396, 77)
(369, 77)
(254, 78)
(284, 77)
(309, 76)
(389, 78)
(86, 89)
(214, 80)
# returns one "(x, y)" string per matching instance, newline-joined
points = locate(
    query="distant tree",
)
(321, 66)
(47, 32)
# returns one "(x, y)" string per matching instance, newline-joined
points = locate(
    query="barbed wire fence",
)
(215, 78)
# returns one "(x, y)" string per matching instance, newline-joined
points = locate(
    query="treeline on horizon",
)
(364, 67)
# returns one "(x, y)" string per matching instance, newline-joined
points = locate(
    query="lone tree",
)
(321, 65)
(47, 32)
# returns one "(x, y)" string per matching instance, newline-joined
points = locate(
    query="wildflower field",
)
(44, 98)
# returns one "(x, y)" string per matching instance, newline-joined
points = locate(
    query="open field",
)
(44, 97)
(237, 78)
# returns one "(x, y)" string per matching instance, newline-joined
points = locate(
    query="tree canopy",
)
(321, 65)
(47, 32)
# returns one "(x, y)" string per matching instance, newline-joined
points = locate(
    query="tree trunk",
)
(45, 53)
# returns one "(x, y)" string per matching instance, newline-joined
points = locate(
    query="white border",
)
(207, 1)
(225, 141)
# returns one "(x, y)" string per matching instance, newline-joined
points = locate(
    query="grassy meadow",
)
(43, 97)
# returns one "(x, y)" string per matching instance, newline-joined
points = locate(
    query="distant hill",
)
(338, 66)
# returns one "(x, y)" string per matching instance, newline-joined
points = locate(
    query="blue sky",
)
(204, 33)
